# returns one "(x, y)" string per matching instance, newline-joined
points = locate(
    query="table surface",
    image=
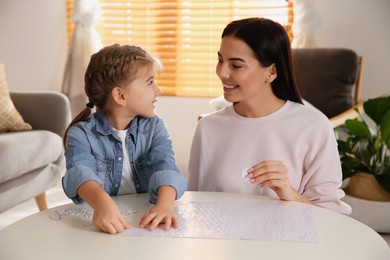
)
(39, 237)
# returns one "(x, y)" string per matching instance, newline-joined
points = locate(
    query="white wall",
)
(33, 47)
(362, 26)
(181, 116)
(33, 43)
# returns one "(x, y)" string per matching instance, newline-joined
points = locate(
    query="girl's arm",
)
(163, 212)
(162, 169)
(106, 216)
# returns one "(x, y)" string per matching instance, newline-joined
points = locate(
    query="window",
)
(185, 35)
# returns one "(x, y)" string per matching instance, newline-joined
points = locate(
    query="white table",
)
(39, 237)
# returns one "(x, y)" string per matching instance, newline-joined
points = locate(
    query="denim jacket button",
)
(120, 158)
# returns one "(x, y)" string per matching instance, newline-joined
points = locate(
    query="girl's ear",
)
(118, 95)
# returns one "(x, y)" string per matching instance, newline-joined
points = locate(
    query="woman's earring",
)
(270, 79)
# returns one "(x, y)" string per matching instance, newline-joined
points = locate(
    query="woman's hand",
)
(163, 212)
(273, 174)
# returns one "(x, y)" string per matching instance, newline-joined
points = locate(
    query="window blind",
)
(184, 35)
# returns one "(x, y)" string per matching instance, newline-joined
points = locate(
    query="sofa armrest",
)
(340, 119)
(44, 110)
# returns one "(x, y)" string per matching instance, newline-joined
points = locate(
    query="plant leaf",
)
(375, 108)
(343, 147)
(357, 128)
(384, 181)
(349, 166)
(385, 128)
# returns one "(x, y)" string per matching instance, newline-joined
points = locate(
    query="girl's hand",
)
(106, 215)
(163, 212)
(273, 174)
(108, 218)
(160, 214)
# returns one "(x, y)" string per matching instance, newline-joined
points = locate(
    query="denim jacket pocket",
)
(104, 171)
(143, 165)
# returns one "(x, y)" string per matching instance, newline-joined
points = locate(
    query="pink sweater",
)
(226, 143)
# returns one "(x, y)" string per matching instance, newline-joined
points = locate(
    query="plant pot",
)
(365, 186)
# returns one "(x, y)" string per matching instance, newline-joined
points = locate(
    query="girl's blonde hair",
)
(113, 66)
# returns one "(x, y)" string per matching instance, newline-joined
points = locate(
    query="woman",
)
(267, 142)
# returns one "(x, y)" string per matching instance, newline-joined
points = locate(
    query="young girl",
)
(267, 142)
(123, 147)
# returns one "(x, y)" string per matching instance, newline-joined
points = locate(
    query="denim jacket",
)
(94, 152)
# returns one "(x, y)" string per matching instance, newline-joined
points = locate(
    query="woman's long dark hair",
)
(270, 43)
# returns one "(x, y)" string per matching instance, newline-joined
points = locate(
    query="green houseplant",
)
(367, 151)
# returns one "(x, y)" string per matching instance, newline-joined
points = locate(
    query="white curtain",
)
(307, 21)
(85, 42)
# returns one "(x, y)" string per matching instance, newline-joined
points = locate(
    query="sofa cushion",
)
(10, 118)
(22, 152)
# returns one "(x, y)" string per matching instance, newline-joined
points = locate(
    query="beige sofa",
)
(32, 161)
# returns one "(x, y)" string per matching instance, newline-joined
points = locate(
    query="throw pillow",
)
(10, 118)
